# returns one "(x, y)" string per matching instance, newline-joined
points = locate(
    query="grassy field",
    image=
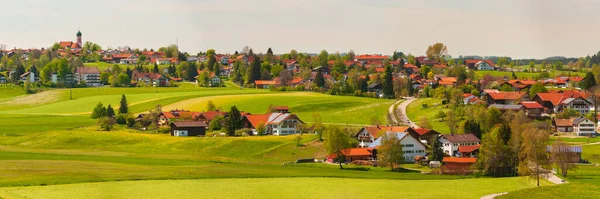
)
(415, 112)
(274, 188)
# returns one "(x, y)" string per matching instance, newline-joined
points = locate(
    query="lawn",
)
(20, 124)
(415, 111)
(333, 109)
(10, 91)
(274, 188)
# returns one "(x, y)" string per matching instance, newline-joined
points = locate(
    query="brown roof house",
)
(451, 142)
(188, 128)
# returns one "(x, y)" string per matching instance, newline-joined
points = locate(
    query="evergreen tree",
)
(437, 153)
(388, 85)
(395, 56)
(155, 69)
(472, 126)
(319, 79)
(254, 73)
(110, 112)
(514, 76)
(233, 121)
(123, 108)
(588, 82)
(417, 63)
(269, 52)
(99, 111)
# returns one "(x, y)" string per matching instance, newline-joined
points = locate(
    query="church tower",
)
(79, 39)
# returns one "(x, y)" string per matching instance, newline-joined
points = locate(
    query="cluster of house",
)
(185, 123)
(545, 104)
(460, 149)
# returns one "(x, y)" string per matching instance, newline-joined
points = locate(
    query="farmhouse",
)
(578, 104)
(165, 118)
(274, 123)
(532, 108)
(188, 128)
(410, 146)
(352, 154)
(506, 97)
(584, 127)
(469, 151)
(573, 152)
(563, 125)
(153, 79)
(368, 134)
(208, 116)
(422, 134)
(451, 142)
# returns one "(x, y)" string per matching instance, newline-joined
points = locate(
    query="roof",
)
(488, 91)
(531, 104)
(555, 98)
(506, 95)
(264, 82)
(377, 142)
(210, 115)
(578, 120)
(507, 106)
(459, 160)
(255, 120)
(353, 152)
(573, 149)
(456, 138)
(88, 70)
(281, 108)
(374, 130)
(421, 131)
(468, 149)
(271, 118)
(563, 122)
(370, 57)
(190, 124)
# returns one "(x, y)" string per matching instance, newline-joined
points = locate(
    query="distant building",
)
(451, 142)
(410, 146)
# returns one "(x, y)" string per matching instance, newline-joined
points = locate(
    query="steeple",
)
(79, 42)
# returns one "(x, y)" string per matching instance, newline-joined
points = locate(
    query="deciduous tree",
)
(561, 155)
(437, 51)
(337, 140)
(534, 158)
(390, 151)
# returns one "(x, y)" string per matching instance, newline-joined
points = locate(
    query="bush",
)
(424, 105)
(164, 130)
(130, 122)
(122, 119)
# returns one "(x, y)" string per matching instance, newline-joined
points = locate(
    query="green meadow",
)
(274, 188)
(48, 139)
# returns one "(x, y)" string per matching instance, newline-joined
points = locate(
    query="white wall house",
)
(481, 65)
(369, 134)
(451, 142)
(584, 127)
(91, 76)
(29, 76)
(579, 104)
(275, 123)
(410, 146)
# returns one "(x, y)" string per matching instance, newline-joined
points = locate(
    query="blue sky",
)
(517, 28)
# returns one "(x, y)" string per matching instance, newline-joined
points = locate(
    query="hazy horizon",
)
(519, 29)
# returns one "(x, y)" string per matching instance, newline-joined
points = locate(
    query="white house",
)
(482, 65)
(215, 81)
(369, 134)
(579, 104)
(410, 146)
(274, 123)
(451, 142)
(584, 127)
(91, 76)
(29, 76)
(2, 79)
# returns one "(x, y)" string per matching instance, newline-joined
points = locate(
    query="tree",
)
(298, 140)
(452, 121)
(537, 88)
(99, 111)
(318, 125)
(254, 72)
(493, 117)
(203, 79)
(561, 155)
(437, 51)
(110, 112)
(472, 127)
(534, 158)
(123, 80)
(106, 123)
(390, 151)
(494, 155)
(588, 82)
(261, 129)
(210, 106)
(233, 121)
(123, 108)
(531, 65)
(388, 85)
(216, 123)
(514, 76)
(319, 79)
(425, 123)
(568, 113)
(337, 140)
(437, 152)
(441, 115)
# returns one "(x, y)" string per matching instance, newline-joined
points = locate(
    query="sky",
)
(516, 28)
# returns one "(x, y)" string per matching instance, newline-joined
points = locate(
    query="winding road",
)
(400, 112)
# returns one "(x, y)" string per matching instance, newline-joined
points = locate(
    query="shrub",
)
(164, 130)
(130, 122)
(424, 105)
(122, 119)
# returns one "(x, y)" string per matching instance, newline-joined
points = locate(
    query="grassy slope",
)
(274, 188)
(333, 109)
(415, 112)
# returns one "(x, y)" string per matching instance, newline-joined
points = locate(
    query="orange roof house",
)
(353, 154)
(457, 165)
(506, 97)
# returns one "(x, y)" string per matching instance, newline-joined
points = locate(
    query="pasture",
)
(274, 188)
(415, 111)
